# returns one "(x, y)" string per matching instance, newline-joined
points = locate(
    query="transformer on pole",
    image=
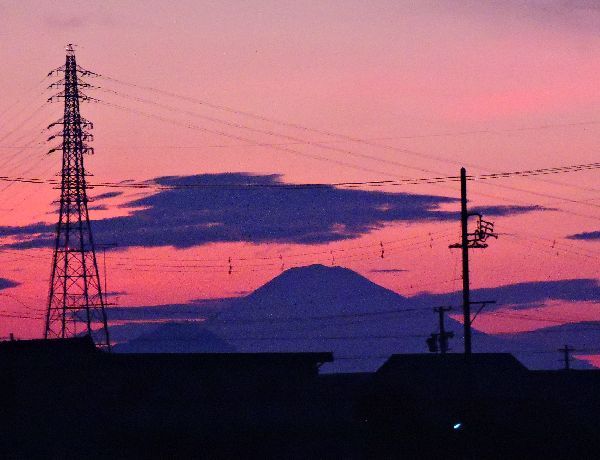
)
(474, 240)
(75, 301)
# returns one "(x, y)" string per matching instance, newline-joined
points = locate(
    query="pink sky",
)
(453, 80)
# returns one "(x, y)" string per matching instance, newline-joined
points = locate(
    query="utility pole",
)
(566, 351)
(464, 220)
(104, 246)
(75, 297)
(443, 335)
(469, 241)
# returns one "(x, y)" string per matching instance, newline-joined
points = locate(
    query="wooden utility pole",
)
(464, 220)
(475, 240)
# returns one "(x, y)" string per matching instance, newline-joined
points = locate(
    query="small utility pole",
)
(566, 351)
(444, 336)
(104, 246)
(469, 241)
(464, 240)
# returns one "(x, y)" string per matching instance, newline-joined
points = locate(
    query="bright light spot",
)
(457, 426)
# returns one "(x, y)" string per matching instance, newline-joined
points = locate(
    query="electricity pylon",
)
(75, 302)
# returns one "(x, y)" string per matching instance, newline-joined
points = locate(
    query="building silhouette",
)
(65, 398)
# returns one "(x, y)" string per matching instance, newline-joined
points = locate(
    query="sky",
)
(273, 92)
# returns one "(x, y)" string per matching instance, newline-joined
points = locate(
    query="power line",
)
(22, 123)
(26, 96)
(338, 135)
(318, 157)
(375, 183)
(359, 140)
(371, 183)
(553, 251)
(389, 244)
(331, 133)
(306, 142)
(264, 131)
(244, 139)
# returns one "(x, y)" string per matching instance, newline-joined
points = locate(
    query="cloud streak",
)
(6, 283)
(253, 208)
(585, 236)
(524, 295)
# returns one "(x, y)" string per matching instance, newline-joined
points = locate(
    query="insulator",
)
(86, 72)
(57, 122)
(57, 84)
(54, 136)
(57, 70)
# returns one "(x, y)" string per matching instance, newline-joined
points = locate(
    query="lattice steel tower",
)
(75, 302)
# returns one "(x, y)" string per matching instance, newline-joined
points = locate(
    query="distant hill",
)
(583, 334)
(176, 337)
(539, 348)
(321, 308)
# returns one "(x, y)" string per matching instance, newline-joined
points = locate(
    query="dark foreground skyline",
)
(93, 404)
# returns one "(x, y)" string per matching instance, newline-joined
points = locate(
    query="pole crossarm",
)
(483, 303)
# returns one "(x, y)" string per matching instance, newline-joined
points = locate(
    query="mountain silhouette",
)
(320, 308)
(176, 337)
(315, 290)
(328, 308)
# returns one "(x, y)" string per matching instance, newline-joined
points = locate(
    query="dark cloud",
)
(175, 312)
(6, 283)
(252, 208)
(107, 195)
(116, 293)
(524, 295)
(586, 236)
(67, 22)
(542, 10)
(577, 17)
(389, 270)
(80, 20)
(563, 6)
